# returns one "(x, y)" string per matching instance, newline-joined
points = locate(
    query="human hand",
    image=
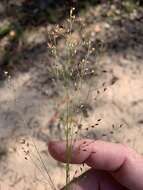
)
(114, 166)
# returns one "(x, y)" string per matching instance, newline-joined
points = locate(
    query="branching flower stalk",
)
(70, 73)
(66, 72)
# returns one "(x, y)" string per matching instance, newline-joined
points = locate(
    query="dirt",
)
(28, 101)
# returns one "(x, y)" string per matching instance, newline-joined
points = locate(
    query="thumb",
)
(125, 165)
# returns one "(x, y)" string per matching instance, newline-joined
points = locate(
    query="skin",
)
(113, 166)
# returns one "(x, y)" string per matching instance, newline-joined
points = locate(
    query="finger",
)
(95, 180)
(123, 163)
(91, 152)
(58, 151)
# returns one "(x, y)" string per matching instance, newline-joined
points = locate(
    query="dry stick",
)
(44, 166)
(51, 182)
(38, 169)
(67, 144)
(47, 182)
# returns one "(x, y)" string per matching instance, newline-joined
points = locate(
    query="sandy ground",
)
(27, 104)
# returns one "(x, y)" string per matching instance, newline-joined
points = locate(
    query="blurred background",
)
(29, 95)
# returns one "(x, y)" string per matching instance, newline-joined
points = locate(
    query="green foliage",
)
(5, 29)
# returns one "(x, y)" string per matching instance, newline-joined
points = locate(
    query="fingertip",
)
(57, 150)
(77, 153)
